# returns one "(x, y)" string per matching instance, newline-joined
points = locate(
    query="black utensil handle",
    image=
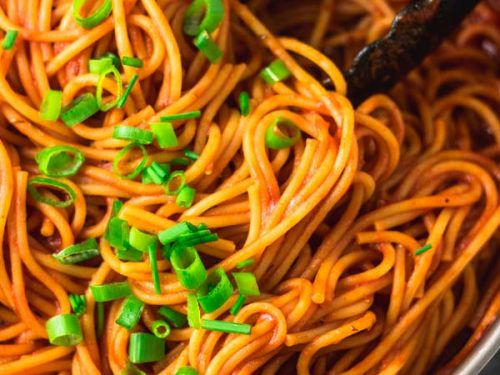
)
(415, 32)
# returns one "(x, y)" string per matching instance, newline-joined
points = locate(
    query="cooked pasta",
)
(158, 157)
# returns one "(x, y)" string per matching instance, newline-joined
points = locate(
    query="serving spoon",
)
(417, 30)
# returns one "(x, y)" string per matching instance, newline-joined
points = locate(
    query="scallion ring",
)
(52, 183)
(131, 133)
(188, 267)
(175, 183)
(91, 21)
(160, 329)
(100, 88)
(60, 161)
(282, 133)
(124, 152)
(203, 15)
(215, 291)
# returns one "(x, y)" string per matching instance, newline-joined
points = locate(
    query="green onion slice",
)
(275, 72)
(171, 234)
(191, 154)
(245, 263)
(244, 103)
(197, 238)
(134, 134)
(128, 90)
(247, 283)
(282, 133)
(160, 329)
(165, 134)
(9, 39)
(235, 309)
(100, 88)
(227, 327)
(423, 249)
(140, 240)
(79, 110)
(145, 347)
(129, 254)
(78, 253)
(175, 183)
(51, 106)
(97, 66)
(124, 152)
(193, 315)
(181, 116)
(52, 183)
(132, 61)
(130, 312)
(203, 15)
(208, 47)
(60, 161)
(110, 292)
(157, 173)
(188, 267)
(115, 210)
(185, 198)
(215, 291)
(115, 59)
(174, 317)
(91, 21)
(64, 330)
(154, 268)
(78, 304)
(118, 233)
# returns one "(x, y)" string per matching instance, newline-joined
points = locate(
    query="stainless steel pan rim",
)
(482, 353)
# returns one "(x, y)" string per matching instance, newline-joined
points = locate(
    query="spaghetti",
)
(216, 210)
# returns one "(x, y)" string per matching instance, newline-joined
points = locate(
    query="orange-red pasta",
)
(334, 222)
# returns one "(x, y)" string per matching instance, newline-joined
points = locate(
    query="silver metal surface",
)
(482, 353)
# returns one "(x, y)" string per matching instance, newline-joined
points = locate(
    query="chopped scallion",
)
(80, 109)
(165, 134)
(78, 253)
(174, 317)
(51, 106)
(181, 116)
(215, 291)
(235, 309)
(423, 249)
(282, 133)
(128, 90)
(52, 183)
(208, 47)
(227, 327)
(160, 329)
(244, 104)
(132, 61)
(193, 315)
(145, 347)
(247, 283)
(110, 292)
(64, 330)
(130, 313)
